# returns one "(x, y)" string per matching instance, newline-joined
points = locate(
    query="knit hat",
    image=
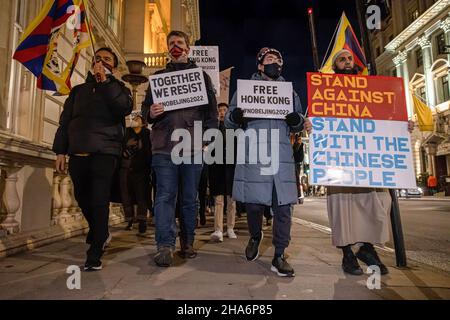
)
(266, 50)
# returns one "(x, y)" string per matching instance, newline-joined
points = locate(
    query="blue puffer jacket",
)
(250, 186)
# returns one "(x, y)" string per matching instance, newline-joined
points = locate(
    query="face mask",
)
(272, 70)
(176, 52)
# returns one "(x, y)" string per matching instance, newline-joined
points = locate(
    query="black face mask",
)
(272, 70)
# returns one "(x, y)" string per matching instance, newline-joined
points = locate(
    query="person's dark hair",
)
(116, 60)
(222, 104)
(178, 34)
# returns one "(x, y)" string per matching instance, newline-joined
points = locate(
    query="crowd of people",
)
(92, 133)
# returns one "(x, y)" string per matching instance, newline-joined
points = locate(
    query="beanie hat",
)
(266, 50)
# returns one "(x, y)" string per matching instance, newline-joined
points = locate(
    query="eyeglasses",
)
(270, 60)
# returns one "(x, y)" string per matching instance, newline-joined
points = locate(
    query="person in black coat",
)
(91, 131)
(221, 178)
(135, 173)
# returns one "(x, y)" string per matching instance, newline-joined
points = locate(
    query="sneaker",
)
(217, 236)
(369, 256)
(163, 257)
(187, 252)
(252, 250)
(281, 267)
(231, 234)
(129, 226)
(350, 265)
(142, 227)
(93, 265)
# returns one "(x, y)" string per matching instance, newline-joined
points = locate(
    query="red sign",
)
(356, 96)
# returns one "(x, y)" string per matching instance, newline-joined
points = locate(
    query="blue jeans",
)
(169, 177)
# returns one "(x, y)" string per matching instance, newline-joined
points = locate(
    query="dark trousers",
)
(281, 229)
(92, 177)
(135, 188)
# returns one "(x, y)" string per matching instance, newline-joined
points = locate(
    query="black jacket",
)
(164, 125)
(93, 118)
(137, 151)
(221, 176)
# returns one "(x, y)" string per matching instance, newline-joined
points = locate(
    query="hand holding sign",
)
(156, 110)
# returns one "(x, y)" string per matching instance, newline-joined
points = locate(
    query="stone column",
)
(445, 25)
(66, 200)
(11, 200)
(56, 199)
(74, 210)
(431, 149)
(401, 64)
(425, 43)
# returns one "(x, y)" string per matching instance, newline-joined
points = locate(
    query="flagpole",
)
(312, 29)
(88, 22)
(396, 222)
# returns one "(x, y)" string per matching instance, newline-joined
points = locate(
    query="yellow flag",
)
(424, 115)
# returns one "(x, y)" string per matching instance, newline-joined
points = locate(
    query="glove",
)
(237, 116)
(293, 119)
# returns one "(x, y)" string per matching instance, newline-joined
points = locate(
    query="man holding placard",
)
(267, 104)
(177, 96)
(358, 148)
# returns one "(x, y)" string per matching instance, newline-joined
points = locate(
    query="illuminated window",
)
(113, 14)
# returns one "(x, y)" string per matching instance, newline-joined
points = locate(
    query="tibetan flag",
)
(346, 39)
(424, 115)
(51, 44)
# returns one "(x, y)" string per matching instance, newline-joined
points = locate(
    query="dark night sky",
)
(241, 27)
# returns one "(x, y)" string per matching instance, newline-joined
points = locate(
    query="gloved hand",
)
(293, 119)
(237, 116)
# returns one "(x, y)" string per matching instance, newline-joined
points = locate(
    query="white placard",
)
(265, 99)
(179, 89)
(207, 57)
(361, 153)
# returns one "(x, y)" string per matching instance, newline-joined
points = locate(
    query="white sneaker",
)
(217, 236)
(231, 234)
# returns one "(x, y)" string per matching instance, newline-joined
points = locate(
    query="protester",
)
(357, 215)
(221, 187)
(135, 173)
(91, 132)
(277, 190)
(171, 176)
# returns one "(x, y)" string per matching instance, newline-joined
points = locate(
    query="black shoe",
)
(350, 265)
(129, 226)
(282, 267)
(95, 265)
(142, 227)
(369, 256)
(163, 257)
(187, 252)
(252, 250)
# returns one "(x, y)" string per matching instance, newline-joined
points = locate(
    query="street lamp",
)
(135, 77)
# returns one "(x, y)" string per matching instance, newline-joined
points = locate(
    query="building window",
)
(413, 15)
(419, 58)
(440, 41)
(421, 93)
(445, 89)
(113, 14)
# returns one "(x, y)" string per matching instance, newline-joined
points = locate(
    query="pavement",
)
(219, 272)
